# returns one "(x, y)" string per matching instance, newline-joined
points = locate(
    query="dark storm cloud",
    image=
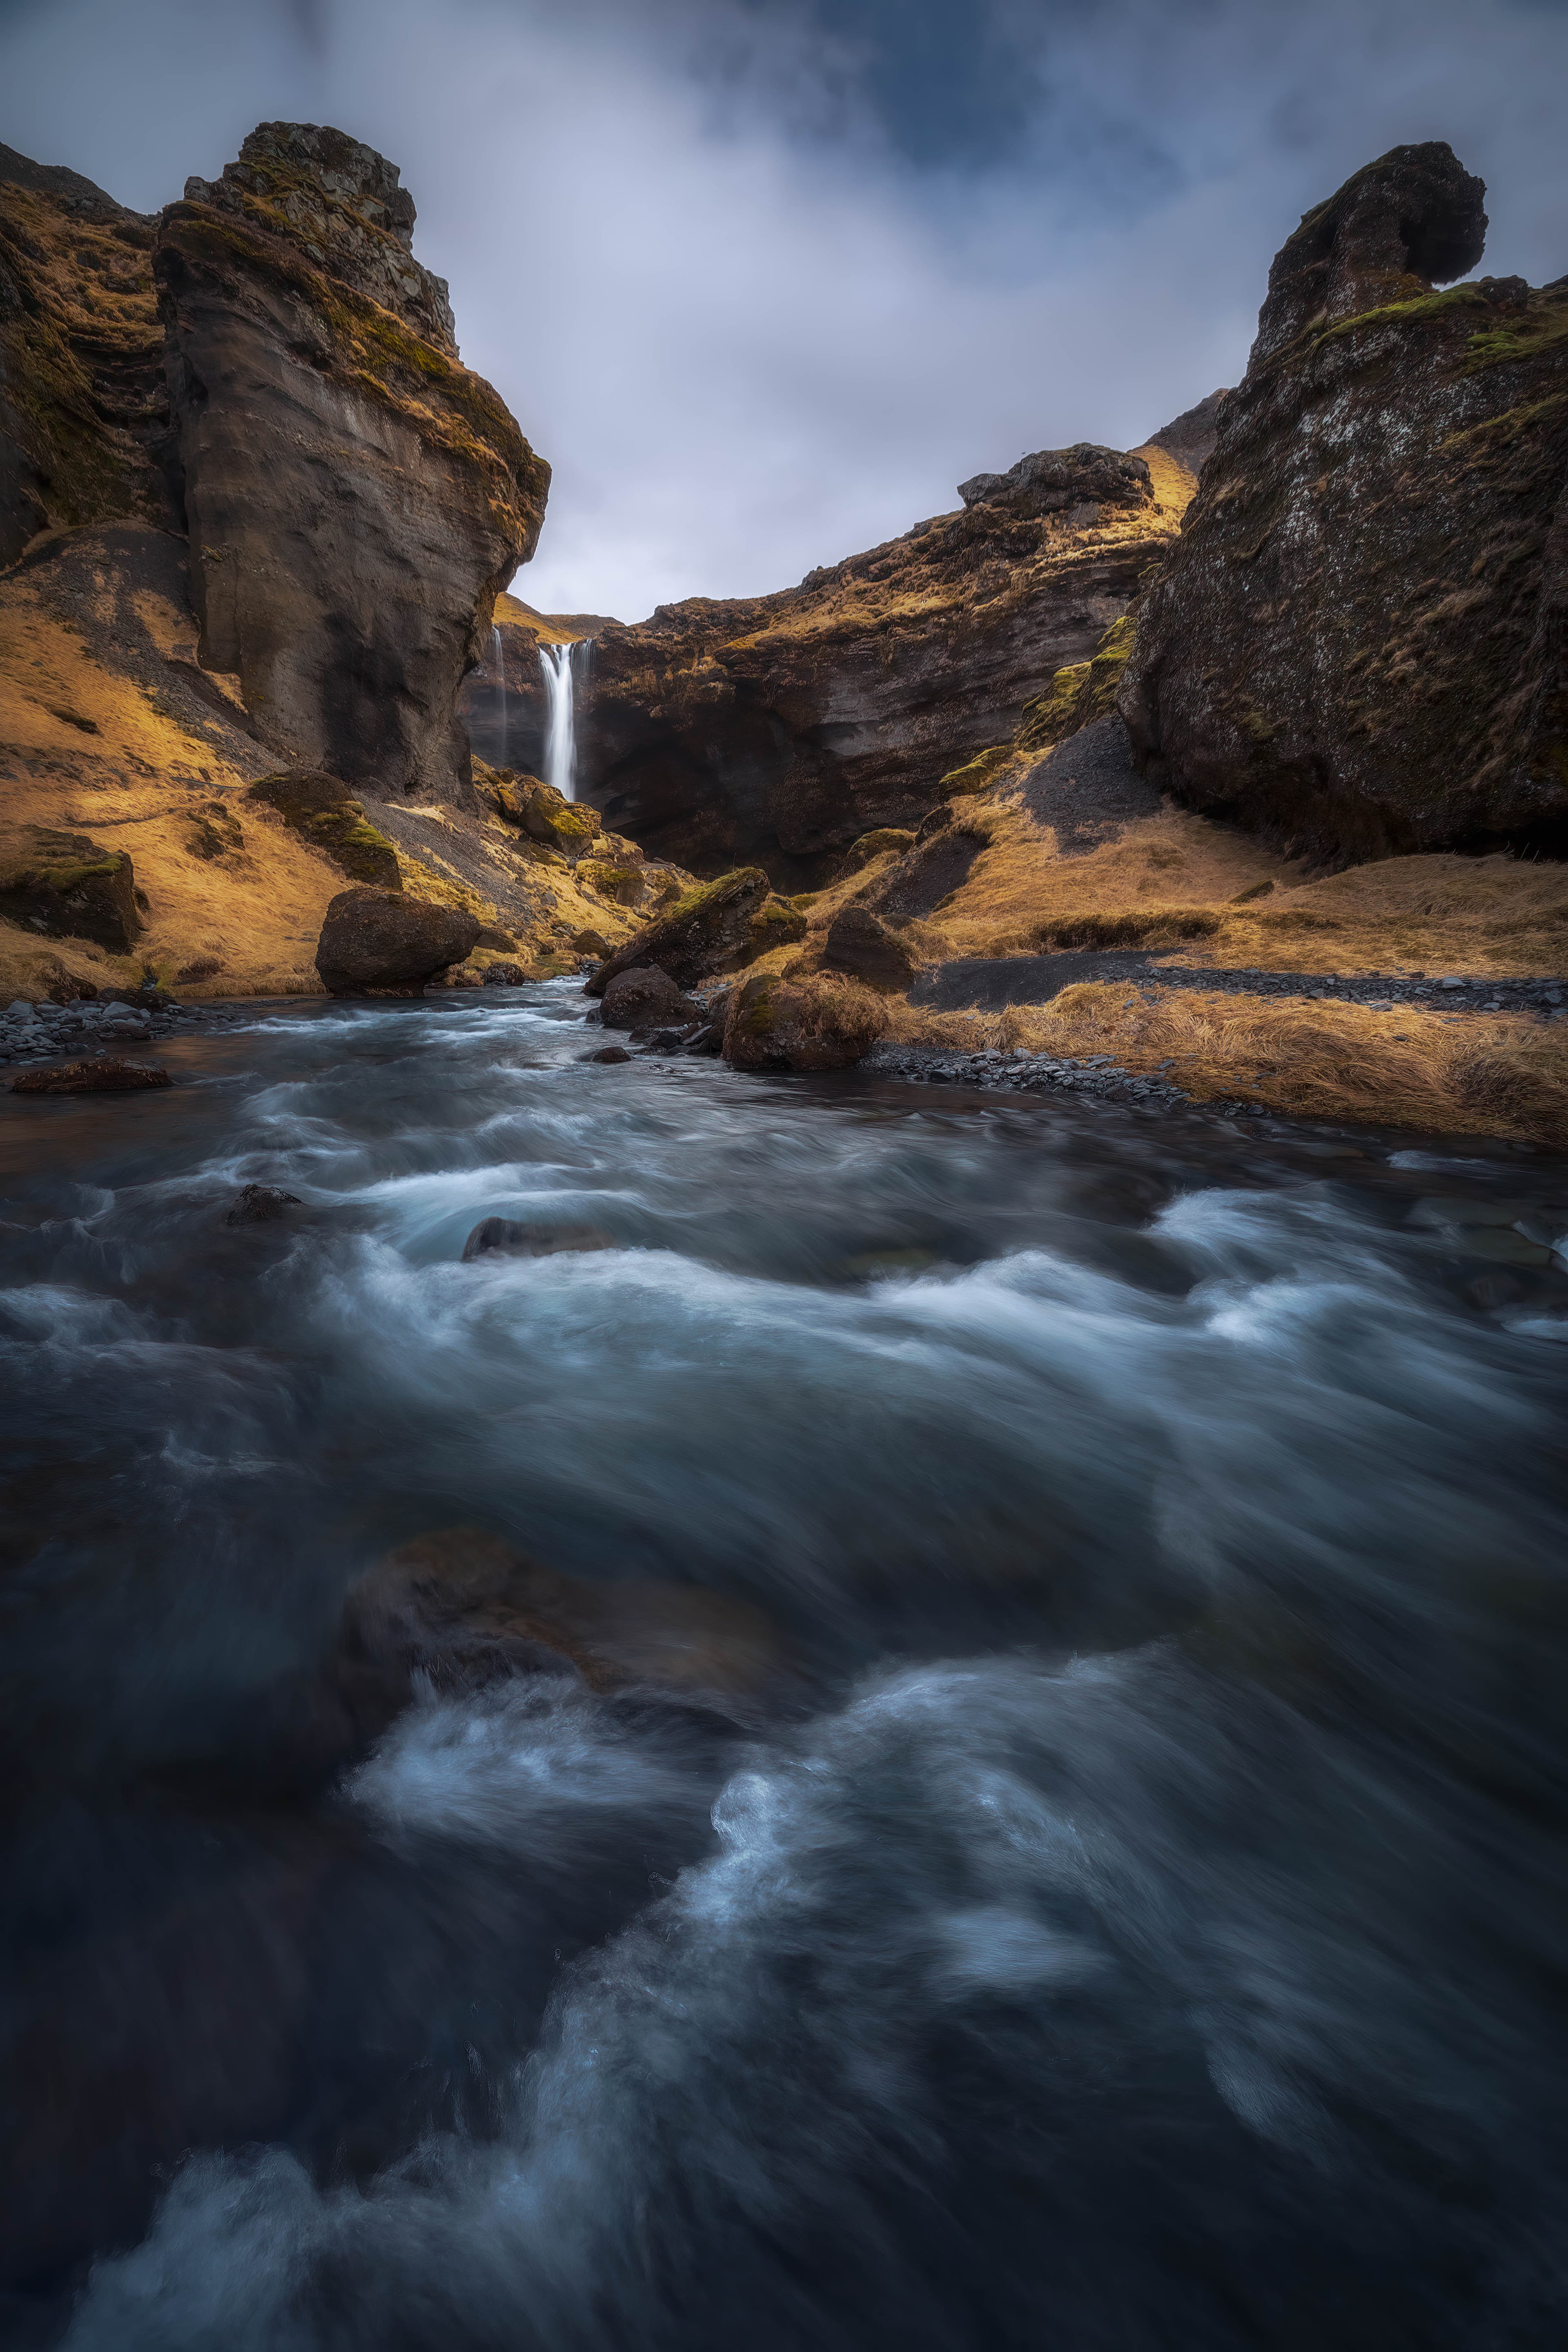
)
(764, 280)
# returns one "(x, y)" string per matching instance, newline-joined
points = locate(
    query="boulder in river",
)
(706, 929)
(261, 1205)
(647, 998)
(815, 1023)
(108, 1076)
(382, 940)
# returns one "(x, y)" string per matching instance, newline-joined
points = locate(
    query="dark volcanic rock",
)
(72, 889)
(610, 1053)
(1089, 788)
(707, 930)
(645, 998)
(864, 948)
(379, 939)
(935, 867)
(108, 1076)
(781, 728)
(261, 1205)
(323, 812)
(1360, 644)
(355, 497)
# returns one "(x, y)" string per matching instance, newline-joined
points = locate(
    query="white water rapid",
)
(561, 744)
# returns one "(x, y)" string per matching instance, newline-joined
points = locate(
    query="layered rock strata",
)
(355, 497)
(1359, 646)
(778, 730)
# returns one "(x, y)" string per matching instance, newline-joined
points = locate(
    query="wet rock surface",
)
(108, 1076)
(645, 998)
(379, 939)
(512, 1237)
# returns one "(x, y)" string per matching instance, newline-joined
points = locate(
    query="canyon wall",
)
(776, 729)
(355, 497)
(1359, 645)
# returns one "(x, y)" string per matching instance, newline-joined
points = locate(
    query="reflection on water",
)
(1134, 1918)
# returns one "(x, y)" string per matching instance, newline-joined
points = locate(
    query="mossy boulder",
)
(775, 924)
(622, 885)
(878, 842)
(546, 815)
(379, 941)
(814, 1023)
(322, 811)
(707, 929)
(72, 889)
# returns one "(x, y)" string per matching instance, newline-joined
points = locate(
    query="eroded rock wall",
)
(1359, 646)
(355, 497)
(777, 729)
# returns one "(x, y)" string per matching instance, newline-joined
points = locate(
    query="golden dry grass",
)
(1500, 1075)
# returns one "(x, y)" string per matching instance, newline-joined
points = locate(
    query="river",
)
(1127, 1912)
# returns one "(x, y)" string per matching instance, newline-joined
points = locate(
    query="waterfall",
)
(497, 652)
(561, 744)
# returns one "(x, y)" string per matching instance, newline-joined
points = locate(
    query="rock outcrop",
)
(858, 944)
(321, 810)
(709, 928)
(355, 497)
(379, 941)
(778, 730)
(84, 410)
(1360, 645)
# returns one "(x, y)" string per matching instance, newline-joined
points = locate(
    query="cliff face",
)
(1360, 645)
(84, 414)
(355, 497)
(777, 729)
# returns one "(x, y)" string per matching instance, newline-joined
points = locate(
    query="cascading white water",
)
(561, 744)
(498, 655)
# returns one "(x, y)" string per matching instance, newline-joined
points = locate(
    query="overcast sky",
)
(764, 279)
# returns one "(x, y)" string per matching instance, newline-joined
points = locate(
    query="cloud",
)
(764, 281)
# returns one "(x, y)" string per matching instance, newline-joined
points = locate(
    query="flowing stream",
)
(561, 739)
(1128, 1913)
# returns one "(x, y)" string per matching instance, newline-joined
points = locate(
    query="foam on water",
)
(1139, 1928)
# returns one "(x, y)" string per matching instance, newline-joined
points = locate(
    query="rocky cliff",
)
(84, 410)
(777, 729)
(355, 497)
(1359, 645)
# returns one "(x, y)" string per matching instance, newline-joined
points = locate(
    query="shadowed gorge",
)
(781, 1521)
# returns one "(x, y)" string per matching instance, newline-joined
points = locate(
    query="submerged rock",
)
(261, 1205)
(108, 1076)
(707, 929)
(509, 1236)
(1357, 645)
(463, 1609)
(382, 940)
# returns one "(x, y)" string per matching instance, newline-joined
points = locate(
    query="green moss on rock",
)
(321, 809)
